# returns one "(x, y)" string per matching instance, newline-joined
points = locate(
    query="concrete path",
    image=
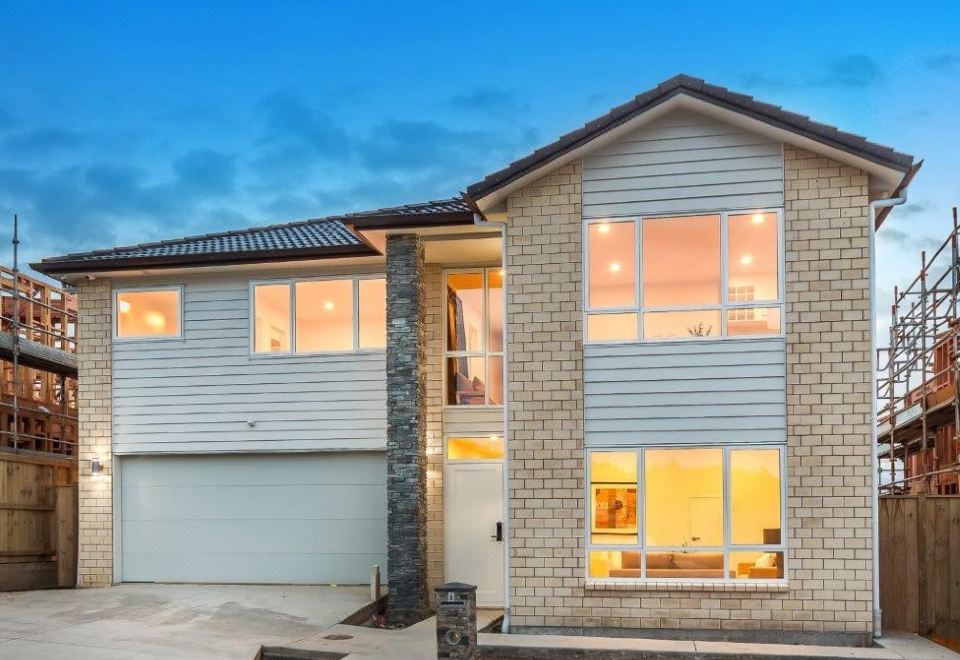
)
(168, 622)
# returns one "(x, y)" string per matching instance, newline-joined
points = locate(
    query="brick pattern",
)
(94, 358)
(406, 430)
(828, 452)
(544, 312)
(432, 282)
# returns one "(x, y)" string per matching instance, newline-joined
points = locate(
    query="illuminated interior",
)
(324, 319)
(271, 332)
(475, 449)
(474, 342)
(373, 313)
(148, 313)
(682, 270)
(684, 514)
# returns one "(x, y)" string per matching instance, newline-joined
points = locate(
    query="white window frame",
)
(725, 303)
(728, 546)
(291, 283)
(483, 353)
(179, 288)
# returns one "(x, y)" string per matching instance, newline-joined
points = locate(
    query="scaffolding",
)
(918, 399)
(38, 376)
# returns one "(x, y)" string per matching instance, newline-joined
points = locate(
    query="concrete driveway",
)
(154, 621)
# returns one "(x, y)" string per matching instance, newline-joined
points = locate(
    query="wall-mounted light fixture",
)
(96, 467)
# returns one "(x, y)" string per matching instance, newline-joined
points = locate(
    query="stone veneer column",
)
(406, 430)
(95, 493)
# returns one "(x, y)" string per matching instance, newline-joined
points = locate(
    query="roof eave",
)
(55, 267)
(409, 220)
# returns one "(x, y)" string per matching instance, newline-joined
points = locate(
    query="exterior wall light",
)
(96, 467)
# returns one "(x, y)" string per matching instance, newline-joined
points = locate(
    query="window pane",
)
(615, 564)
(495, 379)
(613, 495)
(756, 565)
(753, 321)
(465, 381)
(271, 328)
(684, 497)
(755, 496)
(611, 253)
(324, 316)
(611, 327)
(681, 261)
(373, 313)
(465, 311)
(495, 309)
(148, 313)
(753, 260)
(685, 565)
(473, 449)
(681, 325)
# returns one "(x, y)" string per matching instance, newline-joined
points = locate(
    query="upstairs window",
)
(147, 313)
(333, 315)
(684, 277)
(474, 337)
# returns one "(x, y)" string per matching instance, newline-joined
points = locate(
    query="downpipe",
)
(502, 226)
(875, 481)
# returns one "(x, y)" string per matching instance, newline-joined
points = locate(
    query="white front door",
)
(473, 544)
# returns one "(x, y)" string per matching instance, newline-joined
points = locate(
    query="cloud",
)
(206, 172)
(944, 63)
(39, 141)
(848, 72)
(491, 102)
(908, 241)
(288, 117)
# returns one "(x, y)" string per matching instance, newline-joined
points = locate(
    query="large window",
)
(320, 315)
(474, 337)
(684, 277)
(147, 313)
(695, 513)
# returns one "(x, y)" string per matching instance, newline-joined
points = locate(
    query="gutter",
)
(874, 467)
(480, 221)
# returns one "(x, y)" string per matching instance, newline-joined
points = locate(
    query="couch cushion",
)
(658, 560)
(630, 559)
(698, 561)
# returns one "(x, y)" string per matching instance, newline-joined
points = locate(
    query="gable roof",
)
(699, 89)
(317, 238)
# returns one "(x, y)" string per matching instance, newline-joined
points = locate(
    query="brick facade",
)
(828, 413)
(94, 358)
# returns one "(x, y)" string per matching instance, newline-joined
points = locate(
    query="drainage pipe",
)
(479, 221)
(874, 465)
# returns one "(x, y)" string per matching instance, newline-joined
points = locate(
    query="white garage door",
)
(280, 518)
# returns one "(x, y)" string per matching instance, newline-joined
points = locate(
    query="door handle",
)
(499, 535)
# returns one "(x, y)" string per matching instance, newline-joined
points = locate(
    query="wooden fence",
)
(38, 522)
(920, 564)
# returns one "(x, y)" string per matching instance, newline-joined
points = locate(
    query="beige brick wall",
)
(434, 404)
(95, 525)
(828, 453)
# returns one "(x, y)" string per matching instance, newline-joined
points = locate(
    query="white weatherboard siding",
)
(281, 518)
(199, 393)
(472, 421)
(679, 163)
(685, 392)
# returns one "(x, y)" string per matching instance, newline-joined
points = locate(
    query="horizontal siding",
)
(200, 394)
(471, 421)
(685, 392)
(682, 162)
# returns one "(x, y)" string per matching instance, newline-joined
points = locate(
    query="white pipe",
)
(874, 465)
(502, 225)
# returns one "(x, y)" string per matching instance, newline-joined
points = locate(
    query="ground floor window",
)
(697, 513)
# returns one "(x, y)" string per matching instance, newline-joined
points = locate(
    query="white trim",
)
(291, 283)
(726, 548)
(117, 515)
(723, 306)
(114, 295)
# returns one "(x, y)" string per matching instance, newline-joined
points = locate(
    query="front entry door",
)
(473, 543)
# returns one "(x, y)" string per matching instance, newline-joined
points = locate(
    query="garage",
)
(286, 518)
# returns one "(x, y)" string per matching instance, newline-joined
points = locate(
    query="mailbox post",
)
(456, 620)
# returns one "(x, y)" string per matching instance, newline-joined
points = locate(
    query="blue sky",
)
(129, 122)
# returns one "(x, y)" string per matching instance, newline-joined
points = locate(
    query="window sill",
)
(594, 584)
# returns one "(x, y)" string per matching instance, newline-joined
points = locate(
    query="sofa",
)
(695, 565)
